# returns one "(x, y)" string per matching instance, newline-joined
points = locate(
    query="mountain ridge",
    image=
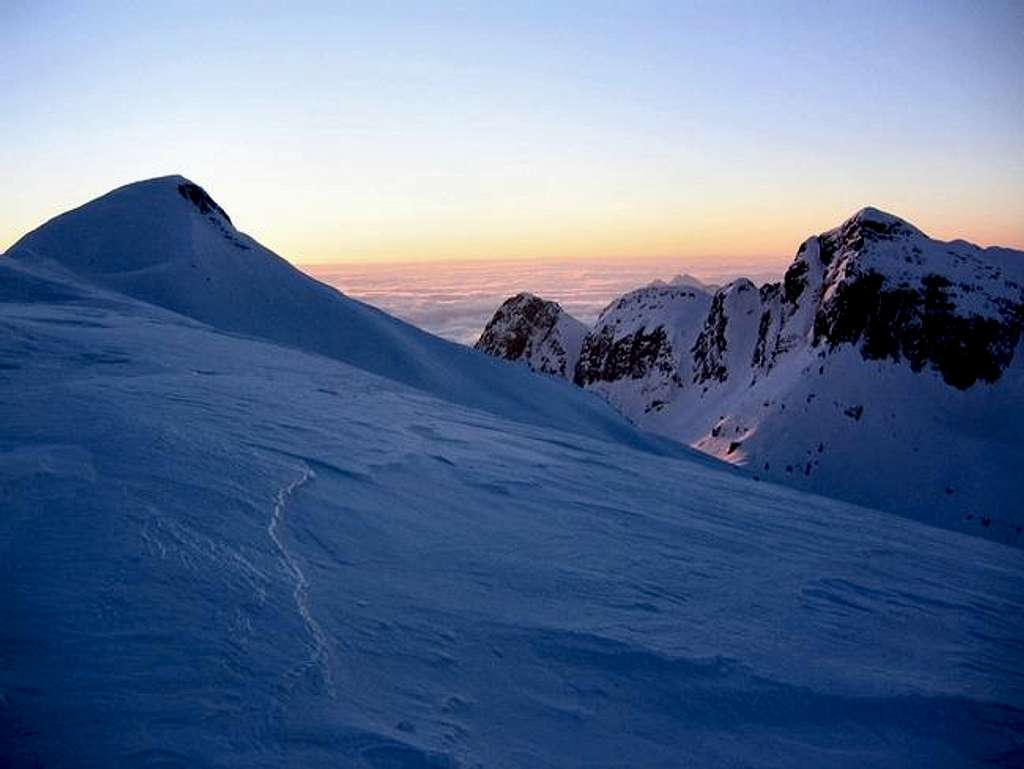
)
(166, 241)
(859, 304)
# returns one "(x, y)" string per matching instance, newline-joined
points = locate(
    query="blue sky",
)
(376, 131)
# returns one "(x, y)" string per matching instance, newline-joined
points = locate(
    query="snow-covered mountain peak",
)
(900, 295)
(875, 216)
(166, 242)
(162, 195)
(663, 299)
(166, 224)
(684, 279)
(869, 231)
(200, 198)
(739, 286)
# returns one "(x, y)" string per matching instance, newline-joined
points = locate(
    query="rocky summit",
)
(539, 332)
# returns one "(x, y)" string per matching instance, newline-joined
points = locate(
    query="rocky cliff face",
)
(537, 332)
(880, 285)
(725, 346)
(898, 295)
(640, 348)
(880, 369)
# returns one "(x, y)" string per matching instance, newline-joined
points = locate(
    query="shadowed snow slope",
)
(220, 552)
(165, 241)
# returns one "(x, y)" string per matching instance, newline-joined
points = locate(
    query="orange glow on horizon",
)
(598, 229)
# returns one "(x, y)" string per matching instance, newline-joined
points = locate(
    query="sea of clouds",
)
(456, 299)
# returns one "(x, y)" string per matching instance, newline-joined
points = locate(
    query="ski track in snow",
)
(321, 655)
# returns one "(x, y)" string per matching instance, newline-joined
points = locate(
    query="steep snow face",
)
(537, 332)
(883, 369)
(217, 551)
(165, 241)
(640, 345)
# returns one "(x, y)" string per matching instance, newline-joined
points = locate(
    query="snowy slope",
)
(165, 241)
(220, 552)
(885, 369)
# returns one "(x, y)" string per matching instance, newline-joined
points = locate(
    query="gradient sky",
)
(394, 131)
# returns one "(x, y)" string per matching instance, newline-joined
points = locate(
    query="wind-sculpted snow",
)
(222, 552)
(884, 369)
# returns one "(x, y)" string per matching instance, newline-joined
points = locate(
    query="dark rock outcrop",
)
(605, 358)
(900, 296)
(201, 199)
(536, 331)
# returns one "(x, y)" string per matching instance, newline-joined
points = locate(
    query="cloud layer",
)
(456, 299)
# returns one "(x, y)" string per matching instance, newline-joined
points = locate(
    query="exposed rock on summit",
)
(200, 199)
(537, 332)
